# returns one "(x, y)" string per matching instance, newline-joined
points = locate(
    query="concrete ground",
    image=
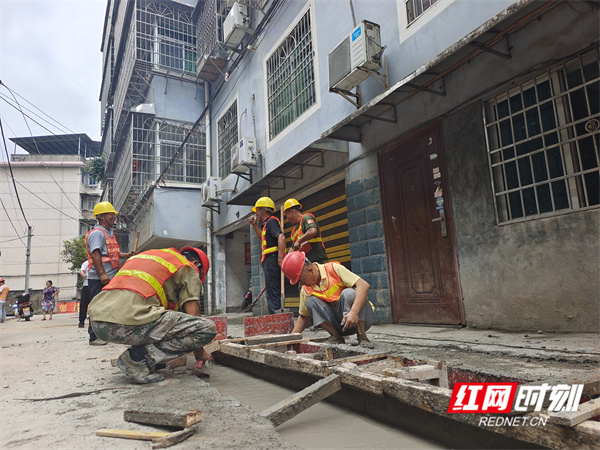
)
(41, 361)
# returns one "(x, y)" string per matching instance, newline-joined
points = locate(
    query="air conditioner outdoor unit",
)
(236, 25)
(361, 49)
(210, 191)
(243, 155)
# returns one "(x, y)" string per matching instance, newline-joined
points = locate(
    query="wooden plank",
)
(214, 346)
(295, 404)
(268, 338)
(279, 344)
(130, 434)
(163, 417)
(585, 411)
(416, 373)
(357, 358)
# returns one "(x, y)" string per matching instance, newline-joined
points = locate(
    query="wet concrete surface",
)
(323, 425)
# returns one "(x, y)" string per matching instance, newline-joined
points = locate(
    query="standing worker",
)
(139, 307)
(272, 242)
(3, 295)
(306, 234)
(104, 254)
(85, 293)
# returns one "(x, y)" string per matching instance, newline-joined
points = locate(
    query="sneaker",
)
(335, 340)
(98, 342)
(81, 325)
(138, 370)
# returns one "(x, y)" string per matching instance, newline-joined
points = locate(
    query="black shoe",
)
(81, 325)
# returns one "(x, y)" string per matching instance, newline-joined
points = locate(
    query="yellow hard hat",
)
(264, 202)
(103, 208)
(291, 202)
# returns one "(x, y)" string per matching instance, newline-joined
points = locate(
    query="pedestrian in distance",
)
(272, 240)
(104, 254)
(335, 297)
(141, 307)
(48, 293)
(306, 235)
(85, 294)
(3, 296)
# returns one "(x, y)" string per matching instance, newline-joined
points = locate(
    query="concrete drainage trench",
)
(323, 425)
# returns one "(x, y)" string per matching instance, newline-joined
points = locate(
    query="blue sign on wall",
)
(356, 33)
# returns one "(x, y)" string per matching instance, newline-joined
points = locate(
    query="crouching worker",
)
(335, 298)
(140, 307)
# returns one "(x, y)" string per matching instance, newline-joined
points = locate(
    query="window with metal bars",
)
(543, 142)
(291, 78)
(227, 137)
(414, 8)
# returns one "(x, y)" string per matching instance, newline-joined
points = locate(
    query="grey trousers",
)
(173, 335)
(333, 312)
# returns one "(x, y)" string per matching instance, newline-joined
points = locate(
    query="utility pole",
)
(28, 259)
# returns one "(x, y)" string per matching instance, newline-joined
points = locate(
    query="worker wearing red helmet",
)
(152, 305)
(335, 297)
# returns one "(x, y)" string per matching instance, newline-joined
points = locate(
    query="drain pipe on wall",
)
(208, 297)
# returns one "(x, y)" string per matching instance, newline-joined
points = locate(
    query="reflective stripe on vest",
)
(147, 273)
(263, 239)
(297, 233)
(112, 248)
(4, 292)
(335, 285)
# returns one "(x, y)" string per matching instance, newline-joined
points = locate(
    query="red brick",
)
(221, 323)
(271, 324)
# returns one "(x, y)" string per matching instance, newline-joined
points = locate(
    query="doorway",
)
(421, 254)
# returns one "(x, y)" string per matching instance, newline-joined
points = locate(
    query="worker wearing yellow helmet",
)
(268, 231)
(306, 235)
(104, 254)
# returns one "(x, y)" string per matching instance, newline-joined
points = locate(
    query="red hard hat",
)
(205, 265)
(292, 265)
(2, 280)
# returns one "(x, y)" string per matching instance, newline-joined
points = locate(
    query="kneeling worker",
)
(139, 307)
(335, 297)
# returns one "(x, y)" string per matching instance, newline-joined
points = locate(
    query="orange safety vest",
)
(3, 292)
(334, 288)
(263, 239)
(147, 272)
(297, 233)
(112, 247)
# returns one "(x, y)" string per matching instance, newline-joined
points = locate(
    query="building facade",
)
(448, 148)
(57, 198)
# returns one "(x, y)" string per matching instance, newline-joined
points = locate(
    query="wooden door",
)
(421, 256)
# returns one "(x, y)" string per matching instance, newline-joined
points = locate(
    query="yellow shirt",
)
(348, 278)
(130, 308)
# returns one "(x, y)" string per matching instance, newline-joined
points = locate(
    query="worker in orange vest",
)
(141, 307)
(104, 254)
(335, 297)
(306, 235)
(272, 240)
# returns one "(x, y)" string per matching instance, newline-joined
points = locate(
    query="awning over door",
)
(489, 37)
(318, 156)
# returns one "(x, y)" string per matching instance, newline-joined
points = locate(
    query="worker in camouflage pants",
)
(140, 307)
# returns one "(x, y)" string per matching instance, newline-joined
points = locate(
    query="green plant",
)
(75, 253)
(95, 168)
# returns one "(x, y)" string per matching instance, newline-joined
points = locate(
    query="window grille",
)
(291, 78)
(227, 138)
(543, 142)
(414, 8)
(166, 37)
